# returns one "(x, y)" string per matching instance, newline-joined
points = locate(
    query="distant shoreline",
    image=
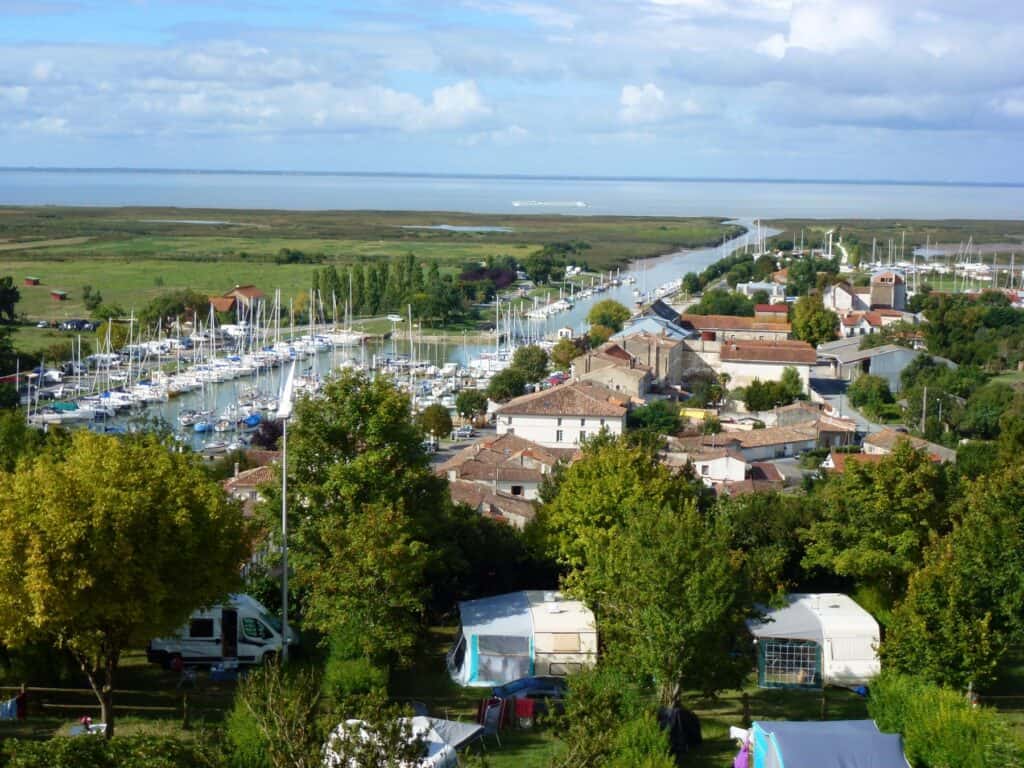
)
(517, 177)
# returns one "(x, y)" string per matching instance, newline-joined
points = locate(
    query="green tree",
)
(871, 393)
(691, 283)
(506, 384)
(9, 297)
(356, 457)
(812, 322)
(599, 334)
(17, 439)
(532, 361)
(471, 403)
(609, 313)
(984, 408)
(876, 519)
(184, 303)
(719, 302)
(435, 420)
(563, 353)
(659, 417)
(80, 564)
(962, 611)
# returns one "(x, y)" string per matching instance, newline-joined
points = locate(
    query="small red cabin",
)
(32, 281)
(58, 295)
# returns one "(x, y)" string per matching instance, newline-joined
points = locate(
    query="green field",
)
(132, 254)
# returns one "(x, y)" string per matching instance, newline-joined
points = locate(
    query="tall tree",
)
(962, 611)
(876, 519)
(563, 353)
(355, 454)
(106, 543)
(812, 322)
(9, 297)
(436, 420)
(470, 403)
(506, 384)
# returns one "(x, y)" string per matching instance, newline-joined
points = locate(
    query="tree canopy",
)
(609, 313)
(435, 420)
(532, 361)
(812, 322)
(106, 543)
(470, 403)
(563, 353)
(719, 302)
(506, 384)
(9, 298)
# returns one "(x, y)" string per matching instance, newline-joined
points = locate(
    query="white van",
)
(241, 630)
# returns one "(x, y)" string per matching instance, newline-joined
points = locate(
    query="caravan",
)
(241, 629)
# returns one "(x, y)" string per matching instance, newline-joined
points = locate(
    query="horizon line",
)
(511, 176)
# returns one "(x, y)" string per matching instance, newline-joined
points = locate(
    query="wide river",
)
(509, 195)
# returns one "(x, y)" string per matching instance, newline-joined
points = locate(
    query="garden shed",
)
(814, 641)
(506, 637)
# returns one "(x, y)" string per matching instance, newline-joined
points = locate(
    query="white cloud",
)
(829, 26)
(646, 104)
(42, 70)
(642, 104)
(1011, 106)
(15, 94)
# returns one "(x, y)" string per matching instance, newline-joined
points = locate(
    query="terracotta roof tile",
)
(731, 323)
(840, 460)
(769, 352)
(581, 398)
(776, 309)
(251, 478)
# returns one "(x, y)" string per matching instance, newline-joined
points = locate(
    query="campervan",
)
(241, 630)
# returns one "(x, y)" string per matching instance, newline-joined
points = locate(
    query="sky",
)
(816, 89)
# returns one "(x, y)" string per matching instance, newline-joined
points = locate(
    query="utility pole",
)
(924, 408)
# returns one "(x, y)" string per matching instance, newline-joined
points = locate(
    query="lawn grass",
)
(129, 256)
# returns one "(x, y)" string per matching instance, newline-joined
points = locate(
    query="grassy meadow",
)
(132, 254)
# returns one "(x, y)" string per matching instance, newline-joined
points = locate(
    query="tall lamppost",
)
(284, 412)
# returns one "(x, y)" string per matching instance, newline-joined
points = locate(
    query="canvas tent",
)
(828, 744)
(816, 640)
(440, 740)
(506, 637)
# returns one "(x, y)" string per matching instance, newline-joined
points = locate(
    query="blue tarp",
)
(828, 744)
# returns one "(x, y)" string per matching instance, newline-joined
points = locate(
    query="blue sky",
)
(845, 89)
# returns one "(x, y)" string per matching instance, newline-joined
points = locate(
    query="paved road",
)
(833, 391)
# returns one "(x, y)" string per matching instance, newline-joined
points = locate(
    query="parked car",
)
(464, 432)
(430, 445)
(42, 324)
(548, 692)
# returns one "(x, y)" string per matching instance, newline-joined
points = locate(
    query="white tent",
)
(816, 640)
(506, 637)
(440, 740)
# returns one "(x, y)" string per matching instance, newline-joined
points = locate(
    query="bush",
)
(120, 752)
(246, 745)
(640, 743)
(348, 680)
(940, 728)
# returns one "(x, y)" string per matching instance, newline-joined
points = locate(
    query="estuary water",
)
(507, 195)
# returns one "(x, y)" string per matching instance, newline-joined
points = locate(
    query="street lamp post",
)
(284, 412)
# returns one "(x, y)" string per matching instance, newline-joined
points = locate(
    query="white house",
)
(776, 293)
(564, 415)
(714, 466)
(745, 361)
(842, 298)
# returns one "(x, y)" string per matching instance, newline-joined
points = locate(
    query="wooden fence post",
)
(746, 710)
(184, 711)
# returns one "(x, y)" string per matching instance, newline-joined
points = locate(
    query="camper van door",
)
(229, 633)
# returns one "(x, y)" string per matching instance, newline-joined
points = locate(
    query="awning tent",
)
(828, 744)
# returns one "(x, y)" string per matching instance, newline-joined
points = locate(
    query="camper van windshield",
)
(271, 621)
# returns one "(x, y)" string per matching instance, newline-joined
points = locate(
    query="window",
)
(200, 628)
(602, 422)
(558, 436)
(254, 629)
(705, 469)
(559, 423)
(583, 422)
(583, 435)
(517, 490)
(508, 420)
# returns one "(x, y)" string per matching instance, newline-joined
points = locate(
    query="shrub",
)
(120, 752)
(640, 743)
(348, 680)
(246, 745)
(940, 728)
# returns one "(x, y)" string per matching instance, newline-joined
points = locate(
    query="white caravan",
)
(241, 630)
